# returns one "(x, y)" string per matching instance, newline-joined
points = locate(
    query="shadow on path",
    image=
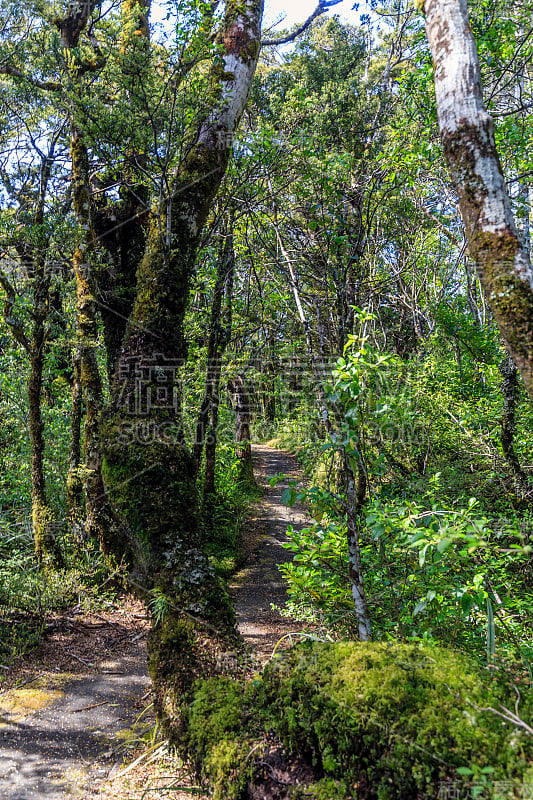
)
(72, 743)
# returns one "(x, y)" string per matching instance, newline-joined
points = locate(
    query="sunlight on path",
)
(260, 584)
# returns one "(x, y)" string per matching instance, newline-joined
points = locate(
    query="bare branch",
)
(321, 8)
(49, 86)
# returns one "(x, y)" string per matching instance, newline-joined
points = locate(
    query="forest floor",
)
(77, 711)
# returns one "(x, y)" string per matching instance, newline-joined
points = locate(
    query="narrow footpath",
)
(73, 706)
(259, 585)
(69, 712)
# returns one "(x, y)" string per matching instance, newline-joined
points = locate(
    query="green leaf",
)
(288, 498)
(491, 636)
(444, 544)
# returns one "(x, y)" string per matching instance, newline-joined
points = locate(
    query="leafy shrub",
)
(433, 571)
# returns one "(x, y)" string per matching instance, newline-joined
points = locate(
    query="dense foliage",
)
(303, 276)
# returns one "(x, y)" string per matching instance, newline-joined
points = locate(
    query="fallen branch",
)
(81, 660)
(86, 708)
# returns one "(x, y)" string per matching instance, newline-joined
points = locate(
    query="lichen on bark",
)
(467, 133)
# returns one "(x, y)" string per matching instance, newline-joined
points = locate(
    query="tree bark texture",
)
(467, 134)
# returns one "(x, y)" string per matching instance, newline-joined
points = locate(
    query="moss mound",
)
(373, 721)
(218, 738)
(393, 720)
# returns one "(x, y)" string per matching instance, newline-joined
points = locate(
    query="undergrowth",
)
(374, 721)
(28, 593)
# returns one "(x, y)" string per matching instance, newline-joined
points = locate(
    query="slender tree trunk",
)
(214, 390)
(510, 392)
(467, 133)
(43, 524)
(44, 530)
(211, 443)
(33, 260)
(355, 489)
(241, 405)
(75, 496)
(219, 334)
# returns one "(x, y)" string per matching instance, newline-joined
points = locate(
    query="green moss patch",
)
(372, 720)
(219, 736)
(17, 704)
(392, 720)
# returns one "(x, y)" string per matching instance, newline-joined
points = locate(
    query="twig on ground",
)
(81, 660)
(86, 708)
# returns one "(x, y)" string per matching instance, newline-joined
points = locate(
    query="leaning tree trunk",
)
(149, 473)
(467, 133)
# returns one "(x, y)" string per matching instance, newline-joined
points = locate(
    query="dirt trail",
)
(71, 708)
(67, 713)
(260, 583)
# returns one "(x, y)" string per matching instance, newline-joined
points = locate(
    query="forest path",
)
(70, 709)
(260, 583)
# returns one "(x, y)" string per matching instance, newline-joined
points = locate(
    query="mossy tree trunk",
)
(87, 327)
(467, 133)
(32, 256)
(75, 495)
(101, 522)
(149, 473)
(46, 544)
